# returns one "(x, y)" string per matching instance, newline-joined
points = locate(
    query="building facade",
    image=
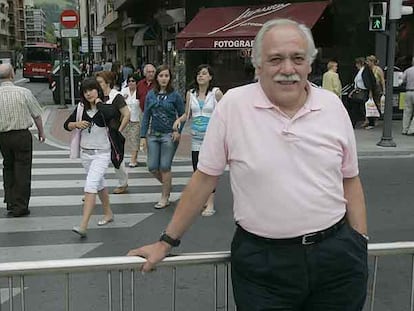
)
(35, 25)
(11, 24)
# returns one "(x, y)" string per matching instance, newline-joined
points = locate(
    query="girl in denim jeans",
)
(163, 106)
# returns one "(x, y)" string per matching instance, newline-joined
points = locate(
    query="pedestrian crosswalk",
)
(56, 206)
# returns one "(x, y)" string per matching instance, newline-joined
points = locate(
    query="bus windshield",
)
(38, 54)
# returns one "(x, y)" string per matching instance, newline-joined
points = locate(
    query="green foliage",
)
(53, 8)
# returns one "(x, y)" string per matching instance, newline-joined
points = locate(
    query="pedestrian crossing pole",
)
(395, 12)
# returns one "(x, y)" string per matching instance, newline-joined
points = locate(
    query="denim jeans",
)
(161, 151)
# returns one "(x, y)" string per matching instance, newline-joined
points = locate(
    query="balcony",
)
(110, 18)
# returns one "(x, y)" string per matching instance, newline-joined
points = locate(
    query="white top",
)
(359, 82)
(209, 104)
(132, 103)
(286, 173)
(94, 137)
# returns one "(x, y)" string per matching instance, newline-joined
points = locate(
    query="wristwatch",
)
(166, 238)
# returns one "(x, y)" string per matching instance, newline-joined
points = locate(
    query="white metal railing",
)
(69, 266)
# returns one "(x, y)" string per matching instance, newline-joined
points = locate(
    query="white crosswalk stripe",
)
(56, 206)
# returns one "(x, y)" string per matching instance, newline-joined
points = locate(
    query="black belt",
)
(306, 239)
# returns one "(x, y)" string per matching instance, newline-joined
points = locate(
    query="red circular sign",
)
(69, 18)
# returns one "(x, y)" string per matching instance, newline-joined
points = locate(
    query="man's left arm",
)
(355, 207)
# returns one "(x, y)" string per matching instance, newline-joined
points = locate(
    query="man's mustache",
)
(286, 78)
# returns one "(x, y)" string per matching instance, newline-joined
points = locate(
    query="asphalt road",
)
(388, 185)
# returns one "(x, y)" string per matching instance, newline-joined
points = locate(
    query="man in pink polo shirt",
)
(300, 242)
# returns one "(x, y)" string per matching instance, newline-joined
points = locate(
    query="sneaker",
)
(369, 127)
(132, 164)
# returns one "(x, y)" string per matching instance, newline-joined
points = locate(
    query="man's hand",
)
(154, 253)
(42, 137)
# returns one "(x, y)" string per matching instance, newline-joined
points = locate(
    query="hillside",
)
(53, 8)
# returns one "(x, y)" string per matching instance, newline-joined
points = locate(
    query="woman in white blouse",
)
(132, 130)
(200, 104)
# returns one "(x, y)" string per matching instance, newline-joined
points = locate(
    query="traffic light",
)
(377, 16)
(397, 9)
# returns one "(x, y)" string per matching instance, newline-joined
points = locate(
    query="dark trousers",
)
(194, 159)
(330, 275)
(16, 148)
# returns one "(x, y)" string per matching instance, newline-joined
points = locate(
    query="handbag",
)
(75, 135)
(359, 95)
(117, 141)
(371, 109)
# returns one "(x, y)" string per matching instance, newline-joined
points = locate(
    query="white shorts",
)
(95, 163)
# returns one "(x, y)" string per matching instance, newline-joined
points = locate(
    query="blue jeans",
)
(161, 151)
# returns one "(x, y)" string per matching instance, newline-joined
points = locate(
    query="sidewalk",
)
(367, 140)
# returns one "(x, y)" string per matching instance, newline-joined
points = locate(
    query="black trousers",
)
(194, 159)
(330, 275)
(16, 148)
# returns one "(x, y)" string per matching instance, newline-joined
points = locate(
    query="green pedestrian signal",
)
(377, 24)
(377, 16)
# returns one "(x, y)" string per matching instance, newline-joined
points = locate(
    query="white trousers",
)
(122, 175)
(408, 124)
(95, 163)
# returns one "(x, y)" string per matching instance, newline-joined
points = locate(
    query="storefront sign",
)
(232, 44)
(249, 14)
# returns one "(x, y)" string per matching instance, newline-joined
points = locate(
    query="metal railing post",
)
(226, 287)
(215, 287)
(132, 290)
(121, 291)
(10, 293)
(109, 290)
(22, 302)
(174, 269)
(67, 292)
(412, 284)
(374, 283)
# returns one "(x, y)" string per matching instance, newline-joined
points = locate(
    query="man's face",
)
(285, 66)
(150, 73)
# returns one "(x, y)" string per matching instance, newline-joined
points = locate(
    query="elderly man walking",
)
(300, 241)
(18, 107)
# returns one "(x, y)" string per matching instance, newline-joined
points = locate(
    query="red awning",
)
(235, 27)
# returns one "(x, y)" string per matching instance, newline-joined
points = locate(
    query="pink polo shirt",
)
(286, 174)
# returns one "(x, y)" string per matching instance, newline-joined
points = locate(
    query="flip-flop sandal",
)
(160, 205)
(209, 212)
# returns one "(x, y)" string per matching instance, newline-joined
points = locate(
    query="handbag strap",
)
(109, 136)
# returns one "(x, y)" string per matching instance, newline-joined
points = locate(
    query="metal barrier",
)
(70, 266)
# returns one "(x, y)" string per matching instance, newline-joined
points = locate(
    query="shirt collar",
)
(6, 83)
(311, 103)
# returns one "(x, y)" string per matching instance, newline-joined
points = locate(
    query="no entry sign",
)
(69, 18)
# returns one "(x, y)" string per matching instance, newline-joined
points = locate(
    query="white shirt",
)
(132, 103)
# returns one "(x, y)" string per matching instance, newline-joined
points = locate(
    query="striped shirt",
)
(17, 107)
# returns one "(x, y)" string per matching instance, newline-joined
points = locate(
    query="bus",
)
(38, 60)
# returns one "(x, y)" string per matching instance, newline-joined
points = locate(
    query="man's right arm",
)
(189, 208)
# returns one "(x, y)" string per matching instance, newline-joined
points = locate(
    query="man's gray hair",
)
(147, 66)
(258, 41)
(6, 71)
